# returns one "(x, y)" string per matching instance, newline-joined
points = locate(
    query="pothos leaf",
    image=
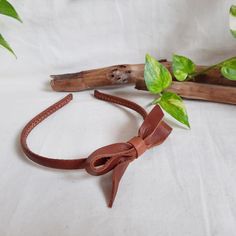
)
(7, 9)
(228, 69)
(5, 44)
(173, 105)
(182, 67)
(232, 20)
(157, 77)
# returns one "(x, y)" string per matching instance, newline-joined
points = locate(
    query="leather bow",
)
(115, 157)
(118, 156)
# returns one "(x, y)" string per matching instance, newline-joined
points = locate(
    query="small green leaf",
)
(5, 44)
(233, 32)
(228, 70)
(157, 77)
(233, 10)
(232, 20)
(173, 104)
(182, 67)
(7, 9)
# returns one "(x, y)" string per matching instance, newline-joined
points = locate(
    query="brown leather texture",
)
(114, 157)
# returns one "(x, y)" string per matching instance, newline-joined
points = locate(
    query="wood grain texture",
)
(90, 79)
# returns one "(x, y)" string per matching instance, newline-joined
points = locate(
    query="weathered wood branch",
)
(211, 86)
(90, 79)
(200, 91)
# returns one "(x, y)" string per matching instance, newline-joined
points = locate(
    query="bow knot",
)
(139, 145)
(118, 156)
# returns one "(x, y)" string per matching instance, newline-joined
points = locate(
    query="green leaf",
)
(233, 10)
(173, 105)
(233, 32)
(5, 44)
(157, 77)
(182, 67)
(7, 9)
(232, 20)
(228, 70)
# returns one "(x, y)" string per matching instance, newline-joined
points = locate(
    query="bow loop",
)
(108, 157)
(154, 130)
(151, 122)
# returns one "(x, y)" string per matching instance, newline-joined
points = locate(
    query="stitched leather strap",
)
(65, 163)
(117, 156)
(120, 101)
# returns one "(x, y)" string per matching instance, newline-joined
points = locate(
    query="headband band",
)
(116, 157)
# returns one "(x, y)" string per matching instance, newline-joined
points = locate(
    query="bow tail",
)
(118, 172)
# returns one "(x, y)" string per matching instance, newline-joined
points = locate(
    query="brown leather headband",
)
(116, 157)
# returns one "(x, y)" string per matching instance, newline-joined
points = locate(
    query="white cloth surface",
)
(185, 187)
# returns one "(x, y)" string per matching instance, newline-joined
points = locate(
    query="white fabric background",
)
(184, 187)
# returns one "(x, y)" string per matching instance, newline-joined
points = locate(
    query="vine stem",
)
(192, 76)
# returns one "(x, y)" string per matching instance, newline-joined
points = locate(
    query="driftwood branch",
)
(90, 79)
(200, 91)
(211, 86)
